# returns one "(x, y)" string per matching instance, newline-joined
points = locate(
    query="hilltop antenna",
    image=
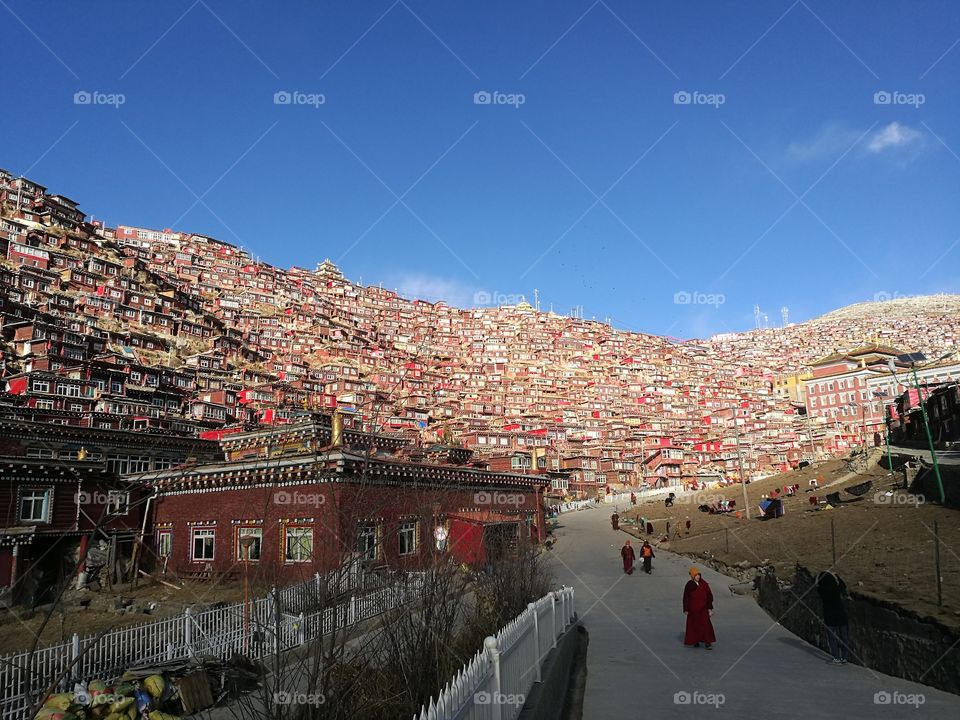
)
(756, 316)
(536, 299)
(785, 314)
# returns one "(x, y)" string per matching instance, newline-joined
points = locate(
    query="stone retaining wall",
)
(883, 636)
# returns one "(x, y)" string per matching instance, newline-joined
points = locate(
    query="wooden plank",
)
(195, 691)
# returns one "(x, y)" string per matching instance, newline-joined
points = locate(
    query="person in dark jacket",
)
(615, 521)
(626, 552)
(832, 591)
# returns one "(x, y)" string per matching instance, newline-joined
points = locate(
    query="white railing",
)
(284, 619)
(494, 685)
(575, 505)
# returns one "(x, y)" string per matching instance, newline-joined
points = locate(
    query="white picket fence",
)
(495, 684)
(576, 505)
(284, 619)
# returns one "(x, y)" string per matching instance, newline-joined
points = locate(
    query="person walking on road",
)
(615, 521)
(698, 606)
(832, 591)
(626, 552)
(646, 554)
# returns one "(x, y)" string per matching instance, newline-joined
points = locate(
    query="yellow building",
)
(791, 387)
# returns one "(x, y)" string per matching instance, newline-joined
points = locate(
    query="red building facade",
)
(312, 512)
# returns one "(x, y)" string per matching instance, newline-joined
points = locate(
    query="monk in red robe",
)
(626, 552)
(698, 606)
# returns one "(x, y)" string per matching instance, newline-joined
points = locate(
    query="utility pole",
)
(926, 424)
(743, 479)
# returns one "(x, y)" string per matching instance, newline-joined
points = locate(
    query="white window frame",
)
(33, 495)
(203, 533)
(164, 543)
(293, 537)
(367, 551)
(118, 502)
(408, 534)
(256, 549)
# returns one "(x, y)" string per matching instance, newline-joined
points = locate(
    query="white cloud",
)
(830, 140)
(419, 286)
(893, 135)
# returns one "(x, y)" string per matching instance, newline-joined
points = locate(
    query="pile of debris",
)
(159, 692)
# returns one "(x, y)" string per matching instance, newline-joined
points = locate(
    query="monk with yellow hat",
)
(698, 606)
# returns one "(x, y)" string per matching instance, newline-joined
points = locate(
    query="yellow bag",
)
(154, 685)
(120, 706)
(157, 715)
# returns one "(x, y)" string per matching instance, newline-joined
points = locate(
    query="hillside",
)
(187, 333)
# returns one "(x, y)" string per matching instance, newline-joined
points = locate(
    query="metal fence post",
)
(352, 610)
(316, 585)
(302, 629)
(495, 694)
(536, 639)
(553, 617)
(188, 631)
(75, 661)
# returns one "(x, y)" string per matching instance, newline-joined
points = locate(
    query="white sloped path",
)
(637, 662)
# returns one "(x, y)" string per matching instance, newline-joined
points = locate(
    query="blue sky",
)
(664, 165)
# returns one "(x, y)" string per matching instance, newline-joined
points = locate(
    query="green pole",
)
(889, 459)
(926, 425)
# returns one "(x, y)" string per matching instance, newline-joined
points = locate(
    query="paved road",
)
(637, 660)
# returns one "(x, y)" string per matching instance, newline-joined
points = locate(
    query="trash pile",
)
(163, 692)
(126, 701)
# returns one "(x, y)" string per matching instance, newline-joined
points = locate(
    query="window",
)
(254, 552)
(44, 405)
(203, 539)
(36, 452)
(35, 504)
(162, 464)
(408, 537)
(118, 502)
(298, 544)
(40, 386)
(367, 542)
